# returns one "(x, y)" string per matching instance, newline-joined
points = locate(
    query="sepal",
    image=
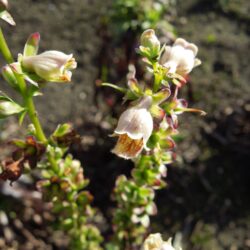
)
(9, 77)
(5, 15)
(32, 45)
(120, 89)
(8, 107)
(64, 135)
(161, 96)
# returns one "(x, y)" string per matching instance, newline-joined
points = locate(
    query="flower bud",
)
(9, 76)
(52, 66)
(134, 128)
(180, 58)
(150, 42)
(8, 108)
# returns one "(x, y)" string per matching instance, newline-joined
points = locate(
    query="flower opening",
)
(134, 128)
(52, 66)
(181, 57)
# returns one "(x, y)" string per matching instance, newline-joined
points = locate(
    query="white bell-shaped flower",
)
(134, 128)
(52, 65)
(181, 57)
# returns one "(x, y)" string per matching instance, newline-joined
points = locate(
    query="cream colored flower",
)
(180, 58)
(52, 66)
(155, 242)
(134, 128)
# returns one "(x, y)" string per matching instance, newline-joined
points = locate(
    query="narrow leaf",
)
(21, 117)
(32, 45)
(134, 86)
(105, 84)
(8, 108)
(5, 15)
(161, 96)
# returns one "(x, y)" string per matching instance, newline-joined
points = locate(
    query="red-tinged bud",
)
(9, 76)
(32, 45)
(150, 44)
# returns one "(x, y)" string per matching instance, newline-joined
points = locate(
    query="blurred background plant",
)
(137, 16)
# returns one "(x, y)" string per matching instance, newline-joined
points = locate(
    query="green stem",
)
(5, 49)
(157, 78)
(34, 119)
(28, 101)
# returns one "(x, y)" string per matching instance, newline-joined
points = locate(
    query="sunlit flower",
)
(133, 130)
(180, 58)
(155, 242)
(52, 66)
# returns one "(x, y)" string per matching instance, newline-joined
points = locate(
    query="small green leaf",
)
(19, 143)
(157, 112)
(63, 129)
(21, 117)
(177, 83)
(134, 86)
(161, 96)
(32, 45)
(105, 84)
(5, 15)
(9, 77)
(8, 108)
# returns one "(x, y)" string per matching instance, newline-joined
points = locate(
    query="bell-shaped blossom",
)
(52, 66)
(134, 128)
(181, 57)
(155, 242)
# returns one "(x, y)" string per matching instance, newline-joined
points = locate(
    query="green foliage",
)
(64, 183)
(138, 15)
(135, 195)
(8, 107)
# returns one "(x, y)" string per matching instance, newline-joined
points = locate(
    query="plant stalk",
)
(28, 101)
(5, 49)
